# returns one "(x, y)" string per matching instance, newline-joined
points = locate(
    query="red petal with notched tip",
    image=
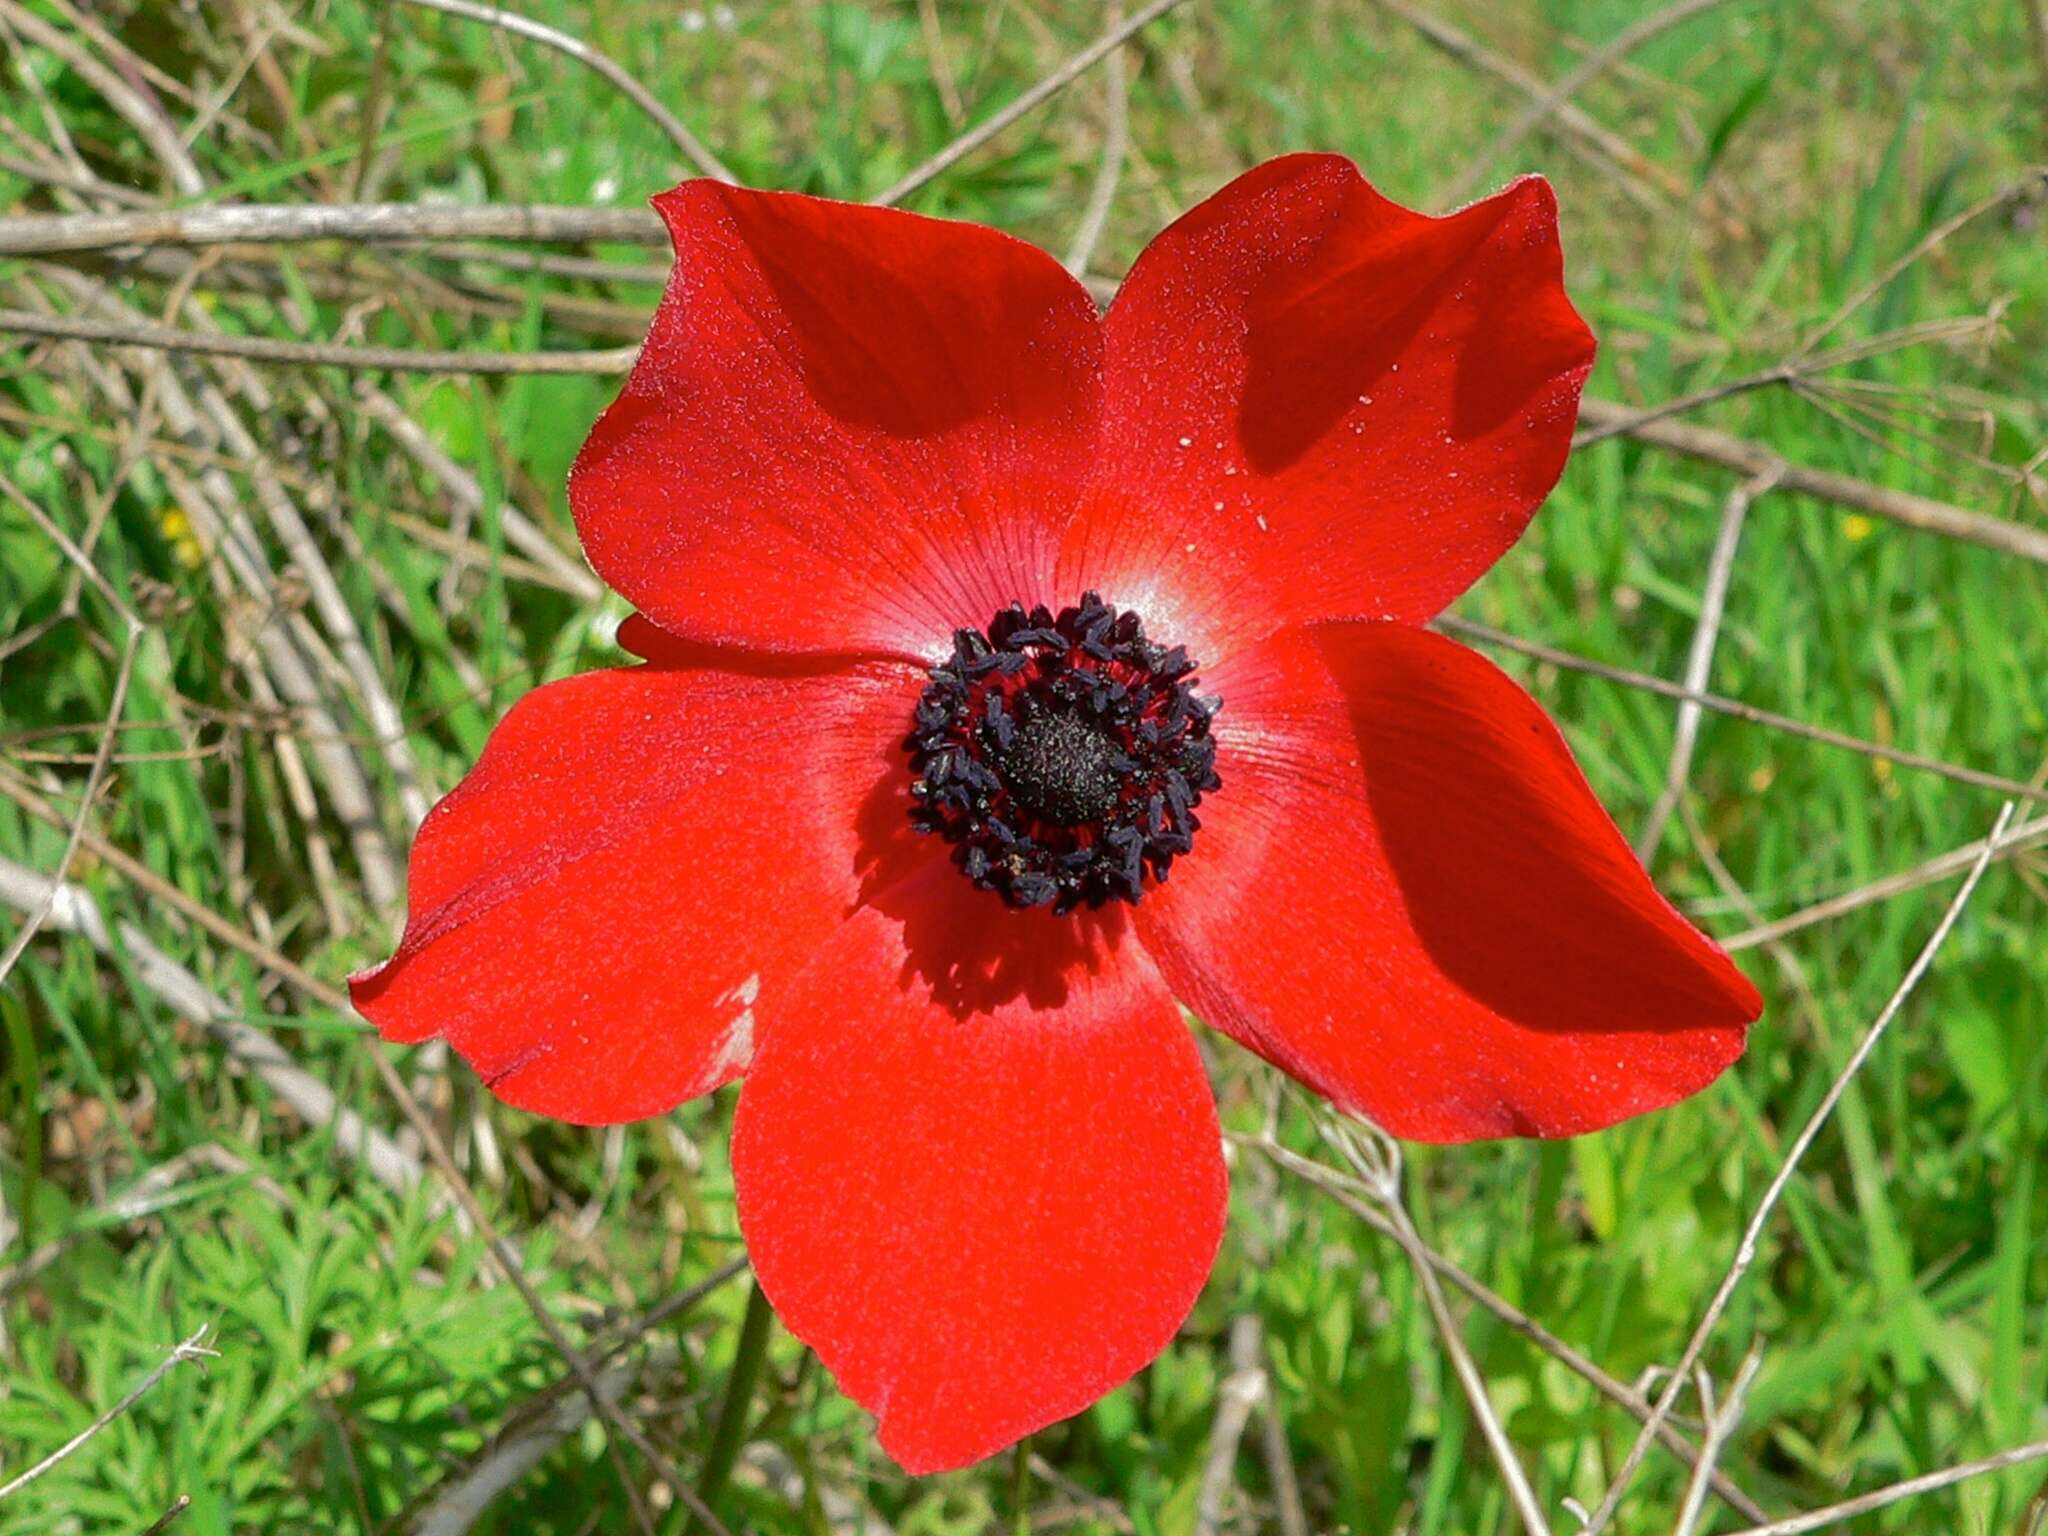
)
(1407, 897)
(1320, 404)
(978, 1166)
(850, 429)
(606, 911)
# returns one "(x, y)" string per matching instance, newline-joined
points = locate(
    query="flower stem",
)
(731, 1431)
(1020, 1487)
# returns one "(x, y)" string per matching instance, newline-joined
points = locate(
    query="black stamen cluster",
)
(1063, 755)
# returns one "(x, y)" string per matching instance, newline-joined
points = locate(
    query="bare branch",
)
(1240, 1392)
(1752, 1236)
(1977, 778)
(693, 148)
(1902, 507)
(1037, 96)
(50, 234)
(1595, 63)
(2028, 834)
(1115, 140)
(1912, 1487)
(1699, 661)
(1721, 1422)
(264, 349)
(1377, 1161)
(193, 1350)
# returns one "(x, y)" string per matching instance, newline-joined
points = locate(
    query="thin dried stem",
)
(521, 532)
(1031, 99)
(1721, 1422)
(1646, 183)
(506, 1258)
(1977, 778)
(2028, 185)
(265, 349)
(50, 234)
(1116, 129)
(1346, 1191)
(1699, 661)
(1901, 507)
(1752, 1236)
(75, 911)
(1793, 372)
(1240, 1393)
(1893, 1493)
(694, 149)
(128, 102)
(941, 68)
(2028, 834)
(169, 1517)
(1623, 43)
(109, 733)
(1377, 1161)
(192, 1351)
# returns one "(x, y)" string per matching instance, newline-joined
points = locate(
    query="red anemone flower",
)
(927, 553)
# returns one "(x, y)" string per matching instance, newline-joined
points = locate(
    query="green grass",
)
(367, 1351)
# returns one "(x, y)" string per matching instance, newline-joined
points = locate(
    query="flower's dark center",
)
(1063, 755)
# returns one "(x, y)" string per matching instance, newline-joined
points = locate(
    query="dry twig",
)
(694, 148)
(1977, 778)
(1377, 1160)
(1901, 507)
(1239, 1394)
(1047, 88)
(2028, 834)
(1752, 1236)
(1721, 1420)
(1699, 661)
(191, 1350)
(267, 349)
(1910, 1488)
(1641, 178)
(1115, 141)
(103, 753)
(1595, 63)
(52, 234)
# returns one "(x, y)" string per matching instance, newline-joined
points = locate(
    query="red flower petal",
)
(1322, 405)
(603, 907)
(850, 428)
(1406, 896)
(978, 1167)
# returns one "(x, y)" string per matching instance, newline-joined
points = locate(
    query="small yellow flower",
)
(176, 528)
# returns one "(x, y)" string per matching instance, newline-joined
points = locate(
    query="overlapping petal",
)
(976, 1158)
(1320, 404)
(850, 428)
(1407, 897)
(643, 857)
(978, 1167)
